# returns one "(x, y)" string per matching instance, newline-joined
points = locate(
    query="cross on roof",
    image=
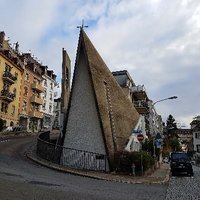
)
(82, 25)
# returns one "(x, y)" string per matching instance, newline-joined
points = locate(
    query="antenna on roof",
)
(82, 25)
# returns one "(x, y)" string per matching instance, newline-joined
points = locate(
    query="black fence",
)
(71, 158)
(83, 159)
(47, 150)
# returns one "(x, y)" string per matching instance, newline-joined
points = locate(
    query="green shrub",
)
(147, 160)
(128, 158)
(148, 146)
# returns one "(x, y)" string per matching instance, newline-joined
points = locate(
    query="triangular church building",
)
(100, 117)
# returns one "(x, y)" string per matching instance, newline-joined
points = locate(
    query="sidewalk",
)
(159, 176)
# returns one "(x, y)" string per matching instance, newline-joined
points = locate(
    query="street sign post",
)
(140, 137)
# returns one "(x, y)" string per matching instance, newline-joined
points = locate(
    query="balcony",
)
(141, 107)
(36, 100)
(139, 92)
(7, 76)
(36, 114)
(7, 96)
(38, 87)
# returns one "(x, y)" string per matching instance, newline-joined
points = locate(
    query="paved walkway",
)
(159, 176)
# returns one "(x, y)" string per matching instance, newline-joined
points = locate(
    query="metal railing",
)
(7, 95)
(83, 160)
(72, 158)
(8, 74)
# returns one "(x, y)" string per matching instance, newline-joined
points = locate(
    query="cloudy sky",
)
(157, 41)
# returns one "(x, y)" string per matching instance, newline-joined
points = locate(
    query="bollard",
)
(133, 169)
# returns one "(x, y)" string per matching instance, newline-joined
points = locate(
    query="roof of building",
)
(124, 113)
(122, 72)
(183, 131)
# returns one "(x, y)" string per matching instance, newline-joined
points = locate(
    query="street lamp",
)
(173, 97)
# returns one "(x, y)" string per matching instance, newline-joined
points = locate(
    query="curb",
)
(50, 165)
(61, 169)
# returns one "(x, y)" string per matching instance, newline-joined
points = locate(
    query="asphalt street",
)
(21, 179)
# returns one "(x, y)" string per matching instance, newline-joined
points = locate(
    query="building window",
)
(16, 75)
(55, 94)
(11, 123)
(32, 107)
(51, 86)
(4, 107)
(26, 76)
(13, 110)
(37, 108)
(8, 68)
(197, 135)
(4, 123)
(50, 108)
(6, 86)
(44, 105)
(14, 92)
(34, 80)
(25, 91)
(45, 94)
(45, 82)
(24, 106)
(51, 96)
(198, 148)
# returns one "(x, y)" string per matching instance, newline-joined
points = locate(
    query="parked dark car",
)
(180, 163)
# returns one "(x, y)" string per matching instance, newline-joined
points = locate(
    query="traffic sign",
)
(158, 136)
(158, 143)
(140, 137)
(136, 131)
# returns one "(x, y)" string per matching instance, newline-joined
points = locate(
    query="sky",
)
(157, 41)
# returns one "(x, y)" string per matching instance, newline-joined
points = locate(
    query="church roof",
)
(117, 114)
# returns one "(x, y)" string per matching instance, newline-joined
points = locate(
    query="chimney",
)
(2, 37)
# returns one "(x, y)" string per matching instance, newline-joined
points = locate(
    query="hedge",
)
(126, 159)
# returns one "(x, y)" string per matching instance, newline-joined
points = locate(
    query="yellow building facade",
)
(10, 89)
(31, 100)
(21, 88)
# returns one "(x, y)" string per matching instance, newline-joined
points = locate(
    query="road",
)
(23, 179)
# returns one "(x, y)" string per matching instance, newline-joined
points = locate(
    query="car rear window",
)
(179, 156)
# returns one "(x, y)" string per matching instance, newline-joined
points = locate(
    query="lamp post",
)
(169, 98)
(173, 97)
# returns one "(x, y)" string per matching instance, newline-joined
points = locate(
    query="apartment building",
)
(138, 96)
(11, 75)
(57, 112)
(49, 84)
(195, 129)
(124, 79)
(30, 114)
(24, 82)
